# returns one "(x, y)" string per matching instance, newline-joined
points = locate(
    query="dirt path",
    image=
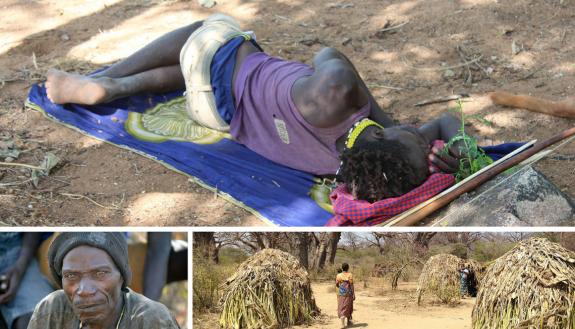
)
(401, 66)
(377, 308)
(374, 308)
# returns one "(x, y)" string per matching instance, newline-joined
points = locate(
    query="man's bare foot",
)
(63, 88)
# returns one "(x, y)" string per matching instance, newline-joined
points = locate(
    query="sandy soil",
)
(375, 307)
(383, 308)
(99, 184)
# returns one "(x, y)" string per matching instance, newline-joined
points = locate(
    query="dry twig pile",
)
(531, 286)
(269, 290)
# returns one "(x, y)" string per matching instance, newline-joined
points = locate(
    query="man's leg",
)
(164, 51)
(154, 68)
(63, 87)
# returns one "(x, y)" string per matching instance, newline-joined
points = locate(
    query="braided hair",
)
(376, 170)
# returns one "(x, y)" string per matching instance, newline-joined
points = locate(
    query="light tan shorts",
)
(195, 60)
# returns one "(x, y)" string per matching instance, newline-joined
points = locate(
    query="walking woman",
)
(345, 295)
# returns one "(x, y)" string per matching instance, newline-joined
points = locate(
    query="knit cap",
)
(113, 243)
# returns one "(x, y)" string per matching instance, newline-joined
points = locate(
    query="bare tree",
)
(205, 245)
(334, 241)
(352, 240)
(321, 241)
(515, 236)
(303, 248)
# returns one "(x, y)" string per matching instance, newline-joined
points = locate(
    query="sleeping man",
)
(304, 117)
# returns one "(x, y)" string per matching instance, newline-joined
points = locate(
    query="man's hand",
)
(446, 161)
(13, 278)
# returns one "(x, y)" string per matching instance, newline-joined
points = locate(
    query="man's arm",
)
(331, 54)
(156, 266)
(30, 243)
(444, 128)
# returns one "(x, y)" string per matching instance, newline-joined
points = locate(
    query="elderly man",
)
(93, 271)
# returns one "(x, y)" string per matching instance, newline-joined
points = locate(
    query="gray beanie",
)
(114, 243)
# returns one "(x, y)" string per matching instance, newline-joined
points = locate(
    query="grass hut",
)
(440, 277)
(269, 290)
(531, 286)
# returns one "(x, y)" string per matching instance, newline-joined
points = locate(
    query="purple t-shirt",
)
(267, 121)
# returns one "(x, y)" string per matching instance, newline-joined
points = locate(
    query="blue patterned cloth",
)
(279, 194)
(272, 191)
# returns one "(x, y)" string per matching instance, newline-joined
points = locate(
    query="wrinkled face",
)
(92, 283)
(415, 145)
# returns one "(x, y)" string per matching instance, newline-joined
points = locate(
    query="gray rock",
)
(523, 198)
(207, 3)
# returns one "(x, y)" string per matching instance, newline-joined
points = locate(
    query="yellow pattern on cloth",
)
(170, 121)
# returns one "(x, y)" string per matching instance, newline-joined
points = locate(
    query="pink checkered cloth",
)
(352, 212)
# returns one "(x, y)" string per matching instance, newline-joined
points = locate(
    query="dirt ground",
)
(407, 51)
(377, 307)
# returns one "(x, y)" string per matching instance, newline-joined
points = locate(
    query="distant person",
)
(22, 285)
(464, 273)
(345, 295)
(472, 283)
(94, 273)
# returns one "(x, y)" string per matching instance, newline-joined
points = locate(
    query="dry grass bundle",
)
(531, 286)
(440, 277)
(476, 267)
(269, 290)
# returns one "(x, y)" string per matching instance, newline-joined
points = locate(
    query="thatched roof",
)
(477, 267)
(531, 286)
(440, 277)
(269, 290)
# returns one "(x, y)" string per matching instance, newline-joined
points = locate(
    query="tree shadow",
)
(42, 43)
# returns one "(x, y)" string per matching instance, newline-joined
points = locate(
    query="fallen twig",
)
(80, 196)
(15, 183)
(442, 68)
(375, 85)
(442, 99)
(463, 56)
(14, 164)
(391, 28)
